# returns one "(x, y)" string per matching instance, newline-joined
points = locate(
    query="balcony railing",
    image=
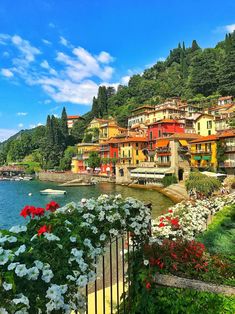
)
(163, 164)
(230, 148)
(163, 150)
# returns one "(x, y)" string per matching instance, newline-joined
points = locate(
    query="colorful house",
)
(72, 119)
(79, 163)
(227, 138)
(109, 156)
(163, 128)
(204, 124)
(203, 152)
(110, 129)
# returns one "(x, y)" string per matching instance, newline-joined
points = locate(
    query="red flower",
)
(170, 211)
(174, 255)
(42, 230)
(27, 211)
(175, 222)
(148, 285)
(38, 212)
(52, 206)
(161, 224)
(174, 267)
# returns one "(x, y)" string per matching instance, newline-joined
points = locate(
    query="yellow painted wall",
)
(204, 163)
(109, 131)
(74, 166)
(203, 129)
(94, 124)
(131, 152)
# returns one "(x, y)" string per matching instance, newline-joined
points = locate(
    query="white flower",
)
(12, 266)
(3, 311)
(146, 262)
(102, 237)
(21, 299)
(73, 239)
(38, 264)
(18, 229)
(33, 273)
(7, 286)
(20, 250)
(77, 253)
(21, 270)
(82, 281)
(47, 275)
(12, 239)
(51, 237)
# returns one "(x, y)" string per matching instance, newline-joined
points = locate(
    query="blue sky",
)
(57, 52)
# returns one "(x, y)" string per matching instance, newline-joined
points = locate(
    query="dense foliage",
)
(202, 184)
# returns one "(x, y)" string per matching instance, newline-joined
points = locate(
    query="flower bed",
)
(187, 219)
(45, 265)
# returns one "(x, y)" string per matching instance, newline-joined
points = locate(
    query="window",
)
(137, 161)
(137, 145)
(209, 132)
(151, 135)
(209, 124)
(129, 153)
(123, 153)
(137, 152)
(151, 145)
(198, 126)
(159, 133)
(115, 155)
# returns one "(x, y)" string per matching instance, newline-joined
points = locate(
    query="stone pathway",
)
(176, 191)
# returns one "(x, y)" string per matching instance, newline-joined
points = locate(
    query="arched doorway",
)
(180, 174)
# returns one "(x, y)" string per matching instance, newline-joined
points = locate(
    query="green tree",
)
(69, 153)
(64, 123)
(227, 67)
(102, 101)
(95, 108)
(94, 160)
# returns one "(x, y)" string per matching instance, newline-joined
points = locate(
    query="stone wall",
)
(62, 177)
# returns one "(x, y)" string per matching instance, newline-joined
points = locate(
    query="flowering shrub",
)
(45, 265)
(187, 219)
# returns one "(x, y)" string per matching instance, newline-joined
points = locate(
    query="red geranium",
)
(52, 206)
(42, 230)
(161, 225)
(27, 211)
(38, 212)
(148, 285)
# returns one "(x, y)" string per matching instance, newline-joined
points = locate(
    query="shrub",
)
(168, 180)
(202, 183)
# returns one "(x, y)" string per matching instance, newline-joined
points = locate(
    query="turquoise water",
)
(14, 196)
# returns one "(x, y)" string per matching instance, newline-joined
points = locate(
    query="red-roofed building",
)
(72, 119)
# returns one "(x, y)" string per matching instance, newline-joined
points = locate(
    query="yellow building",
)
(79, 163)
(203, 152)
(205, 125)
(110, 129)
(130, 150)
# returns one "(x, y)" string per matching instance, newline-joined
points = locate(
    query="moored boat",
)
(52, 192)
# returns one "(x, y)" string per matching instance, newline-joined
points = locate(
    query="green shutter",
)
(206, 157)
(197, 157)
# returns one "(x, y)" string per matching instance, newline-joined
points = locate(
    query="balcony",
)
(163, 164)
(201, 151)
(104, 149)
(230, 148)
(163, 150)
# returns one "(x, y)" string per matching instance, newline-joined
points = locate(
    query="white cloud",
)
(22, 113)
(46, 42)
(7, 73)
(6, 133)
(20, 125)
(125, 80)
(63, 41)
(77, 76)
(32, 126)
(230, 28)
(225, 29)
(47, 101)
(105, 57)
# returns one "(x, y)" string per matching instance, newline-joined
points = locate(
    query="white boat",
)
(52, 192)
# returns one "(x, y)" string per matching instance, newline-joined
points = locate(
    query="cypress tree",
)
(95, 108)
(64, 123)
(195, 46)
(102, 100)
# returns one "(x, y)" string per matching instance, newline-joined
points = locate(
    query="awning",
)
(183, 142)
(162, 143)
(147, 175)
(197, 157)
(152, 170)
(206, 157)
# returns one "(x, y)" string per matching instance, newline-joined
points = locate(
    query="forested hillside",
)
(188, 72)
(192, 73)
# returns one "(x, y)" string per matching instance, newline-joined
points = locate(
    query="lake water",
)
(14, 196)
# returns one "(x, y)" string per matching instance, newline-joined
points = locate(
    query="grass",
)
(220, 235)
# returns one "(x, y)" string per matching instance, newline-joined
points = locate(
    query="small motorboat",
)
(52, 192)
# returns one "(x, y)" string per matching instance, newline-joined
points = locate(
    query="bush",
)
(168, 180)
(202, 184)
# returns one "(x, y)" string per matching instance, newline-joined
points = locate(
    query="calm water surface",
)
(14, 196)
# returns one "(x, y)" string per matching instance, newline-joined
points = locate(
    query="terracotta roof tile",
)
(206, 139)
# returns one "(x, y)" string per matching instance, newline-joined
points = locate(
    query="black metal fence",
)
(112, 283)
